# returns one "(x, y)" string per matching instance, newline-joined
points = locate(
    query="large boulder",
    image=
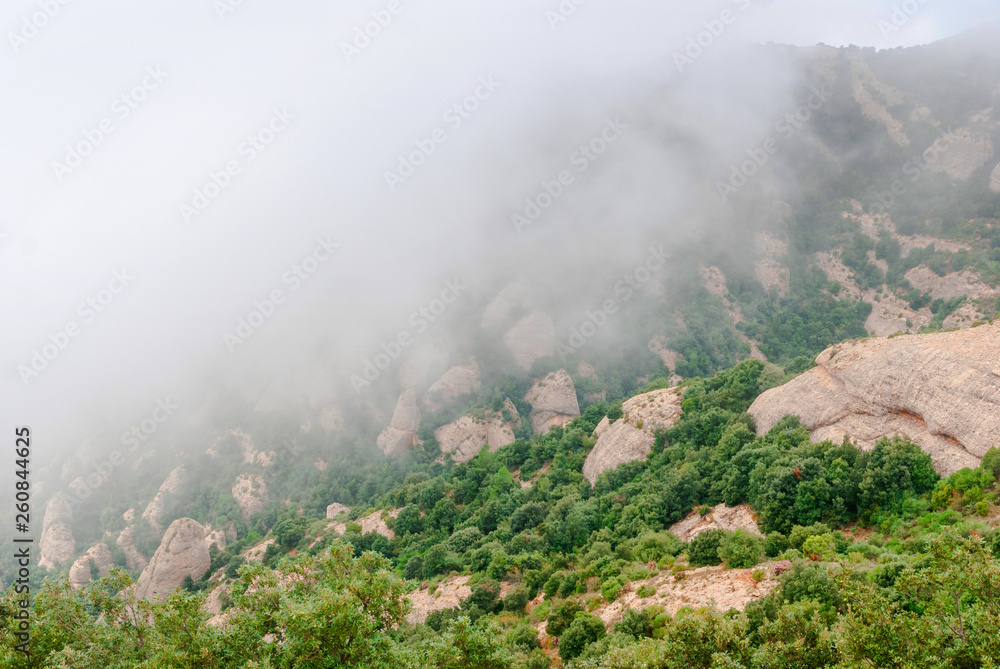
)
(941, 390)
(456, 382)
(532, 338)
(182, 553)
(57, 545)
(99, 555)
(553, 401)
(632, 436)
(401, 434)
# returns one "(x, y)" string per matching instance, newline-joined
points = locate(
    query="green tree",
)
(585, 629)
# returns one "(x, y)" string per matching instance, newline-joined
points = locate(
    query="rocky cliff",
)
(182, 553)
(941, 390)
(632, 436)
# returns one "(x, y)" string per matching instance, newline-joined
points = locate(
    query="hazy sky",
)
(122, 119)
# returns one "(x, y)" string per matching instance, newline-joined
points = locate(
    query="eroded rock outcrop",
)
(57, 544)
(532, 338)
(81, 572)
(721, 517)
(457, 382)
(448, 595)
(553, 401)
(514, 295)
(401, 434)
(463, 438)
(336, 509)
(632, 436)
(250, 493)
(154, 510)
(182, 553)
(134, 560)
(941, 390)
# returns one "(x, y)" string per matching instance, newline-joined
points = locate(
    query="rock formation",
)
(532, 338)
(250, 493)
(154, 511)
(553, 401)
(182, 553)
(448, 595)
(512, 296)
(134, 560)
(331, 419)
(995, 179)
(336, 509)
(401, 434)
(80, 573)
(632, 436)
(462, 439)
(941, 390)
(456, 382)
(57, 545)
(721, 517)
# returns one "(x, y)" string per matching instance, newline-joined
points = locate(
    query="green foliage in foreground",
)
(331, 610)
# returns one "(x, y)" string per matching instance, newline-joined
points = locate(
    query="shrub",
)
(820, 547)
(646, 591)
(654, 546)
(799, 534)
(463, 540)
(414, 568)
(528, 516)
(991, 462)
(775, 544)
(703, 551)
(562, 616)
(516, 600)
(570, 581)
(741, 549)
(637, 624)
(810, 582)
(551, 587)
(982, 507)
(524, 637)
(409, 521)
(610, 588)
(584, 630)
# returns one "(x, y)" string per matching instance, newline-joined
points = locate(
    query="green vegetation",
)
(872, 536)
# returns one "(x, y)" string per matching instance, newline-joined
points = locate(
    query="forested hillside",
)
(539, 496)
